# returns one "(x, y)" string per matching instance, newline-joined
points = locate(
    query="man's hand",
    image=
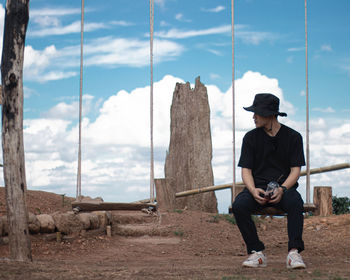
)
(259, 195)
(277, 196)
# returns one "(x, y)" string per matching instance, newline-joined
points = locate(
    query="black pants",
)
(291, 202)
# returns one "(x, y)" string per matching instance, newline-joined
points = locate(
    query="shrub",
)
(341, 205)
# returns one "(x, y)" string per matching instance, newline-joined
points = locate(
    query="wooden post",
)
(165, 194)
(16, 21)
(323, 201)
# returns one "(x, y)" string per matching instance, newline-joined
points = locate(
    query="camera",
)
(271, 189)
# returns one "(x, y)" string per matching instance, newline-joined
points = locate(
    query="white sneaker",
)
(294, 260)
(256, 259)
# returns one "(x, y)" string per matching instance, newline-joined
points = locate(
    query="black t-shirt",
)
(271, 157)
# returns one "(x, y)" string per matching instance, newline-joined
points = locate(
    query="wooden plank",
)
(272, 211)
(109, 206)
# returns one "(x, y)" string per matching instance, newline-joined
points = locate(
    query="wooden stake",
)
(323, 201)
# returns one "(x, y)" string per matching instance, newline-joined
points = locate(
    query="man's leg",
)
(242, 208)
(293, 205)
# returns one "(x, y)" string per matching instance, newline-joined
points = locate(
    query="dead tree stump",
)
(323, 201)
(188, 161)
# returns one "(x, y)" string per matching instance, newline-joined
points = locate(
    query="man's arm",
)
(248, 180)
(288, 183)
(292, 178)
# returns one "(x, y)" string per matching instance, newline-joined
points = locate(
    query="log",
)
(228, 186)
(110, 206)
(323, 201)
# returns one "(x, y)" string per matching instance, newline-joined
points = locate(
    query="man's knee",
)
(293, 200)
(244, 203)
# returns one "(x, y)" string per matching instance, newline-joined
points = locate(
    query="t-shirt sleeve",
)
(246, 159)
(297, 158)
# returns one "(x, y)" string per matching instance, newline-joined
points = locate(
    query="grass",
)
(226, 217)
(179, 233)
(240, 277)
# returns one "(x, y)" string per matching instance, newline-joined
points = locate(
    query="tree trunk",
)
(188, 162)
(16, 21)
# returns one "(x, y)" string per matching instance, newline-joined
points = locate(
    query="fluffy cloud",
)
(115, 160)
(214, 10)
(54, 64)
(242, 32)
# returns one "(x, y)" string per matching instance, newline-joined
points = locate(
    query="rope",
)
(233, 190)
(151, 5)
(307, 114)
(78, 195)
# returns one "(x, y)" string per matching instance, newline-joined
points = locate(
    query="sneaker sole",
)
(299, 266)
(254, 266)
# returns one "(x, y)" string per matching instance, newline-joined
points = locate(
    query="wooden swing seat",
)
(272, 211)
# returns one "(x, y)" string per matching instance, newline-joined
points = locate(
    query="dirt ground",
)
(197, 246)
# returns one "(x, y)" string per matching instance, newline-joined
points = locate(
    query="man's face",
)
(261, 121)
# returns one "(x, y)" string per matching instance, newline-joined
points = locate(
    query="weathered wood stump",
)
(188, 161)
(165, 194)
(323, 201)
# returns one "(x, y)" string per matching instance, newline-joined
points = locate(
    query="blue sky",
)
(192, 38)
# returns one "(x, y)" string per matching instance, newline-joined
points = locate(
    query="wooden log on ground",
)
(110, 206)
(323, 201)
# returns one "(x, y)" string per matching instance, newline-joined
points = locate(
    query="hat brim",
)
(264, 113)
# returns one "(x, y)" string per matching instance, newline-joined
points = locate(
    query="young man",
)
(272, 152)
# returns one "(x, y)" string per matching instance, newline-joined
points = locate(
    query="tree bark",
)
(16, 21)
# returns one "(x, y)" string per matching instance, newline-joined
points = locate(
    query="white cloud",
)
(70, 111)
(129, 52)
(326, 48)
(160, 2)
(290, 59)
(54, 64)
(296, 49)
(121, 23)
(181, 34)
(116, 144)
(214, 76)
(57, 12)
(74, 27)
(241, 31)
(214, 10)
(324, 110)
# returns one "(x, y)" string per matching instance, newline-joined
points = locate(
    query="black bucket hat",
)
(266, 104)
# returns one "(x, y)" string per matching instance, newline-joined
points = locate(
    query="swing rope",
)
(307, 114)
(151, 4)
(78, 194)
(307, 109)
(233, 189)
